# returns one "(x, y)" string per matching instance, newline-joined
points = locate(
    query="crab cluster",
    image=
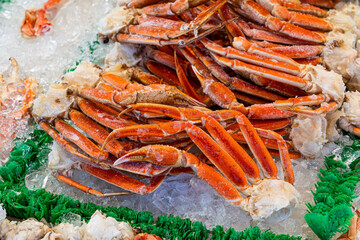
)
(211, 74)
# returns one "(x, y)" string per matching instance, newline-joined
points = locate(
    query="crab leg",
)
(184, 81)
(140, 39)
(241, 28)
(269, 143)
(256, 146)
(321, 3)
(105, 173)
(295, 104)
(324, 108)
(230, 52)
(166, 58)
(233, 82)
(239, 42)
(141, 168)
(116, 178)
(301, 19)
(250, 100)
(244, 45)
(156, 93)
(128, 183)
(313, 61)
(303, 8)
(301, 101)
(169, 156)
(96, 132)
(275, 86)
(168, 75)
(141, 3)
(258, 13)
(66, 145)
(284, 153)
(271, 124)
(299, 51)
(80, 140)
(101, 116)
(262, 72)
(166, 9)
(263, 111)
(86, 189)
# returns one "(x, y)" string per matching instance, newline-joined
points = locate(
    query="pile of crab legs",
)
(213, 43)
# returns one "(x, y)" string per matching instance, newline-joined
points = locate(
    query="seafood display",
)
(221, 89)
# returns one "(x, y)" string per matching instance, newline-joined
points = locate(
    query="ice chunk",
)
(37, 179)
(309, 134)
(72, 218)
